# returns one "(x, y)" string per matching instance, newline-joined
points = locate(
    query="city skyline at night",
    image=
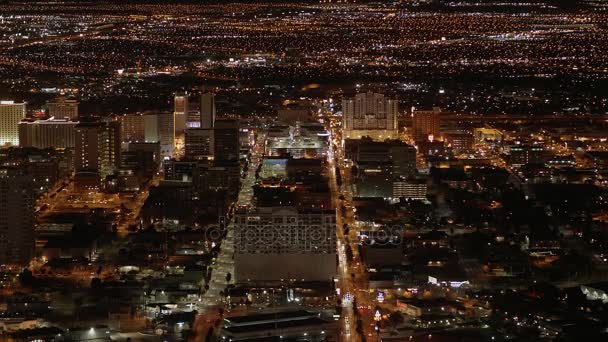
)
(303, 170)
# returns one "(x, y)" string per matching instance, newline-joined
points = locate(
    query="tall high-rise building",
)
(403, 158)
(16, 217)
(166, 133)
(370, 114)
(379, 165)
(193, 119)
(207, 110)
(302, 241)
(161, 127)
(132, 128)
(198, 143)
(151, 129)
(426, 124)
(97, 148)
(11, 114)
(180, 111)
(62, 107)
(226, 142)
(50, 133)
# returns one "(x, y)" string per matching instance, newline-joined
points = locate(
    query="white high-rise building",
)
(160, 127)
(51, 133)
(62, 107)
(370, 114)
(16, 217)
(151, 132)
(11, 114)
(132, 128)
(302, 241)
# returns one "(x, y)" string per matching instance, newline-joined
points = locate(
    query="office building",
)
(50, 133)
(11, 114)
(410, 189)
(198, 143)
(379, 165)
(170, 203)
(526, 154)
(399, 156)
(16, 217)
(160, 127)
(153, 148)
(207, 110)
(151, 129)
(166, 133)
(62, 107)
(193, 119)
(426, 124)
(226, 142)
(144, 159)
(132, 128)
(97, 151)
(403, 159)
(180, 111)
(180, 170)
(302, 241)
(370, 114)
(459, 141)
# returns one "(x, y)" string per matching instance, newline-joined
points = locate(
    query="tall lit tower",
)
(207, 110)
(370, 114)
(11, 114)
(226, 142)
(16, 217)
(97, 148)
(425, 124)
(180, 111)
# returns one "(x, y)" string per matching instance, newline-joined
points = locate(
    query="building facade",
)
(198, 143)
(226, 145)
(160, 127)
(16, 217)
(409, 190)
(207, 111)
(62, 107)
(132, 128)
(370, 114)
(180, 110)
(302, 241)
(426, 124)
(527, 154)
(11, 114)
(97, 151)
(50, 133)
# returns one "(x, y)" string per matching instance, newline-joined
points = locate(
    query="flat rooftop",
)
(273, 316)
(312, 322)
